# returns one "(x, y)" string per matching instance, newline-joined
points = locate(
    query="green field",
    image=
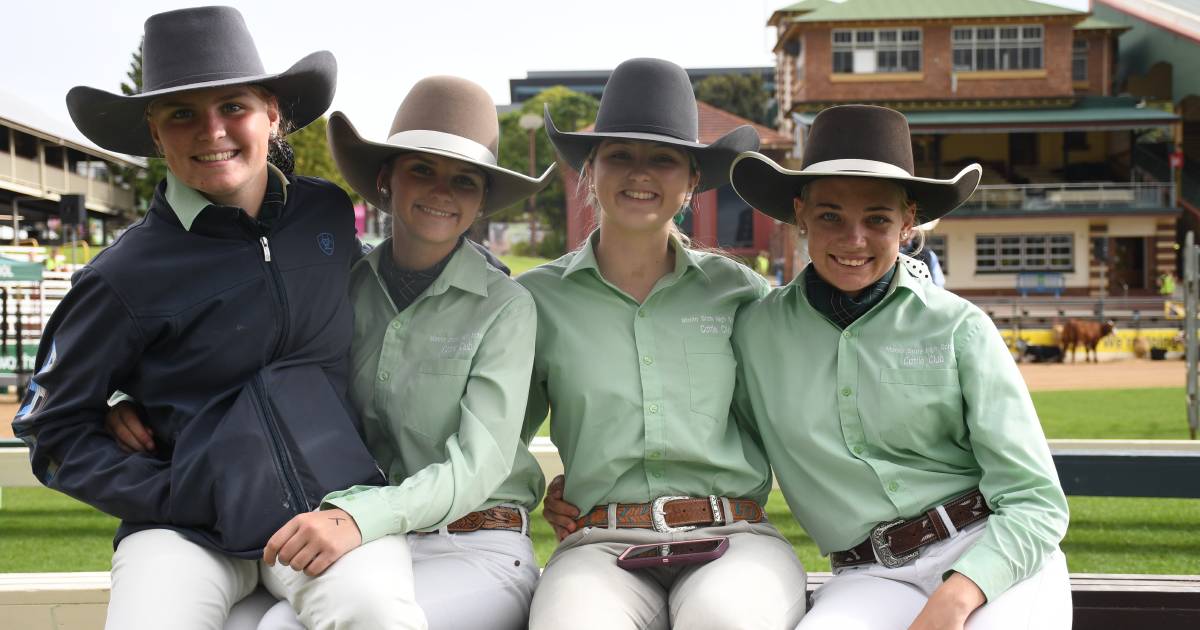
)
(41, 530)
(521, 264)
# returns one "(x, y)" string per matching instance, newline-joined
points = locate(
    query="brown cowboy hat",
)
(441, 115)
(850, 141)
(652, 100)
(194, 49)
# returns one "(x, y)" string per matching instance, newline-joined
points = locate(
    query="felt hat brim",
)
(771, 188)
(359, 160)
(713, 160)
(118, 123)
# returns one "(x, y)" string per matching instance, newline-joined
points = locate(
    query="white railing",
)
(1065, 196)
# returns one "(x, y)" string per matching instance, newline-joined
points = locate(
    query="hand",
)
(950, 605)
(124, 425)
(313, 541)
(560, 514)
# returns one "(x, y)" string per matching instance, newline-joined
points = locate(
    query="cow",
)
(1079, 332)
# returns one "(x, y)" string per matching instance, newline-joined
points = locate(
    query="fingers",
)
(123, 423)
(555, 489)
(279, 539)
(558, 506)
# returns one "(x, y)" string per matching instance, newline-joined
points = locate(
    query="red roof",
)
(716, 122)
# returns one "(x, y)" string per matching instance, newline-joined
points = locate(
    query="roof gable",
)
(859, 10)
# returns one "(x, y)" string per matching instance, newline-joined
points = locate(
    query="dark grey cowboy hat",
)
(442, 115)
(653, 100)
(192, 49)
(850, 141)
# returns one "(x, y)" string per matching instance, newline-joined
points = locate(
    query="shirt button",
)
(648, 360)
(893, 486)
(653, 408)
(383, 377)
(846, 391)
(655, 455)
(641, 313)
(658, 474)
(858, 450)
(396, 325)
(847, 334)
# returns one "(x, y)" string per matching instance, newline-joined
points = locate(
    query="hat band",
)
(442, 141)
(857, 166)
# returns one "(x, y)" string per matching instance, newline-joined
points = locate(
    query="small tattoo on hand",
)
(336, 520)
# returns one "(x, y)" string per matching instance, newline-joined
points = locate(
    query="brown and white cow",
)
(1080, 332)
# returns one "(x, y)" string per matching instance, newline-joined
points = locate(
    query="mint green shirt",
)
(916, 402)
(441, 390)
(640, 393)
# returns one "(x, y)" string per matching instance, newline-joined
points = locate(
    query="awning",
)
(1089, 114)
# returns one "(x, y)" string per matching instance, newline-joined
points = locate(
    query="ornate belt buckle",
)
(659, 518)
(883, 553)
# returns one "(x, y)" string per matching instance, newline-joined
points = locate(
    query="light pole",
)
(531, 123)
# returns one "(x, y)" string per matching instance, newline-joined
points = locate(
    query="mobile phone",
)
(673, 554)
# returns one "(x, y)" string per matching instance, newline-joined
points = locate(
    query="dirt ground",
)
(1039, 376)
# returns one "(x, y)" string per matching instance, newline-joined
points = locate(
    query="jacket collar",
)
(188, 203)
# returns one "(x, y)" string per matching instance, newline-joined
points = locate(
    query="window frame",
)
(996, 43)
(1018, 253)
(897, 44)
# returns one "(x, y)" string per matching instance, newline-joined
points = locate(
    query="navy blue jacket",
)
(235, 341)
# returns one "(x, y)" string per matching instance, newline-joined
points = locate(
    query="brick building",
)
(1070, 195)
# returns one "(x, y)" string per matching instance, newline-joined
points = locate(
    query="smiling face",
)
(854, 227)
(640, 185)
(434, 199)
(215, 140)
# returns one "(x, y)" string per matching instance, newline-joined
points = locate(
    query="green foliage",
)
(519, 265)
(571, 111)
(143, 181)
(738, 94)
(313, 158)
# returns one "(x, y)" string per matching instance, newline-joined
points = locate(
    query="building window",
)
(936, 243)
(867, 50)
(997, 48)
(1009, 253)
(1079, 55)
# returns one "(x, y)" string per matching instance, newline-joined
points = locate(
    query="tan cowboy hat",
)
(851, 141)
(442, 115)
(194, 49)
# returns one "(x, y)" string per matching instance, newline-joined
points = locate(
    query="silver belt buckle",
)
(883, 553)
(659, 519)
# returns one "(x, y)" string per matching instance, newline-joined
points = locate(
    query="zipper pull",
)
(266, 248)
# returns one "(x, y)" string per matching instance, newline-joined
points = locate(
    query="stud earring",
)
(383, 191)
(803, 231)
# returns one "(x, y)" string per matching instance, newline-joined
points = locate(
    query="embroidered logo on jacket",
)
(325, 242)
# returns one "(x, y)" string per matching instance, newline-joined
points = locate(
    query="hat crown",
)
(649, 96)
(197, 45)
(450, 105)
(860, 132)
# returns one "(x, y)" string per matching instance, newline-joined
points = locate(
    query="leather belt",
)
(896, 543)
(499, 517)
(674, 514)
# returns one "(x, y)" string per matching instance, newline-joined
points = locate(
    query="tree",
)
(739, 94)
(143, 181)
(571, 111)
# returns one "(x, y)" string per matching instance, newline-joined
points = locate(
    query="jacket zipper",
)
(283, 460)
(280, 296)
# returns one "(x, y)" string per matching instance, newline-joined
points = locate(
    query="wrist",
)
(960, 594)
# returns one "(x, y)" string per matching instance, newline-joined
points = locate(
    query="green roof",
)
(851, 10)
(1094, 23)
(1097, 111)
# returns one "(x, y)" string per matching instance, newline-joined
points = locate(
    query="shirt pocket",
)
(433, 398)
(710, 366)
(921, 408)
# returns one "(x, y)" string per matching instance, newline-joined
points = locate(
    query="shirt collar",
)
(909, 276)
(585, 257)
(467, 269)
(188, 203)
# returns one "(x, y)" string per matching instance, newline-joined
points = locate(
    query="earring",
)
(383, 192)
(803, 231)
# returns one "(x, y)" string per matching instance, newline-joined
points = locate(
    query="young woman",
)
(223, 312)
(896, 421)
(442, 353)
(634, 360)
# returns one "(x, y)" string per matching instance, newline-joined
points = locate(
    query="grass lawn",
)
(41, 530)
(521, 264)
(1154, 414)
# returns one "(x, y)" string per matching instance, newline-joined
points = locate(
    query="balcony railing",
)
(26, 172)
(1064, 196)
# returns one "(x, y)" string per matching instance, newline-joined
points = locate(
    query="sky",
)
(384, 47)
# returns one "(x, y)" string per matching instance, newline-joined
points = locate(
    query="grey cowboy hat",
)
(652, 100)
(441, 115)
(193, 49)
(850, 141)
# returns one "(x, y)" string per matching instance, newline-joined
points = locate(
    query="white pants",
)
(758, 583)
(483, 579)
(160, 579)
(873, 597)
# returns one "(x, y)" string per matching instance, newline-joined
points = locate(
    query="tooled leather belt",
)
(496, 518)
(675, 514)
(896, 543)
